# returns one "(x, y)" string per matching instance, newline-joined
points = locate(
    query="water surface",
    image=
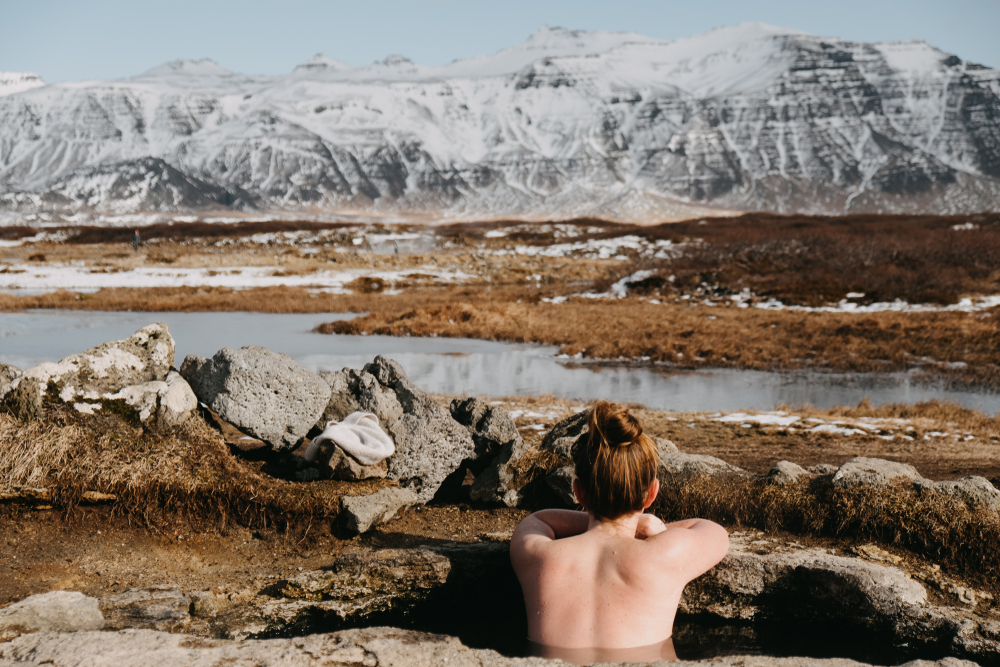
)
(466, 366)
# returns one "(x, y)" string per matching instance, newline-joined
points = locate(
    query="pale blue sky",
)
(70, 41)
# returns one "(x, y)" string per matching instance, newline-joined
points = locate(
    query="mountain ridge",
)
(568, 123)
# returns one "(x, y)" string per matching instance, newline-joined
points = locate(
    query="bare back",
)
(611, 585)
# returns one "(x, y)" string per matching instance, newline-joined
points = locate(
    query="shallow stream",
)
(458, 366)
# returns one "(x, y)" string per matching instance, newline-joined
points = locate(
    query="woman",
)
(603, 585)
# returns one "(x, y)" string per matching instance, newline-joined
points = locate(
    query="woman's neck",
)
(623, 526)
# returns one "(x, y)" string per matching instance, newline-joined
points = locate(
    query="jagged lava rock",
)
(491, 426)
(872, 472)
(560, 481)
(360, 514)
(430, 445)
(106, 369)
(56, 611)
(262, 392)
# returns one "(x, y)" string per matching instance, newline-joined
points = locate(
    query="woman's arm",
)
(543, 527)
(693, 546)
(564, 523)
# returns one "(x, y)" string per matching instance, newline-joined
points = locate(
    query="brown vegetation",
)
(187, 472)
(697, 337)
(815, 260)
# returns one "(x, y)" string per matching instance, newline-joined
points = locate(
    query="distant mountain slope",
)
(568, 123)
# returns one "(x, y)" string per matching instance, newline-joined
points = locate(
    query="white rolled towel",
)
(359, 435)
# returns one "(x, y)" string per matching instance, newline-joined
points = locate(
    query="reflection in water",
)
(465, 366)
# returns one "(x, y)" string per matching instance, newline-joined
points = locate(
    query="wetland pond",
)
(456, 366)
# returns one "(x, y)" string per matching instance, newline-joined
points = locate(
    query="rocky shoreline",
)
(470, 451)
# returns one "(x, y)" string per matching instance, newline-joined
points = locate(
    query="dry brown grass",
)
(814, 260)
(696, 337)
(945, 530)
(157, 475)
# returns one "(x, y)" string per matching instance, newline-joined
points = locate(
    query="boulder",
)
(491, 426)
(560, 481)
(976, 491)
(104, 370)
(786, 472)
(665, 446)
(57, 611)
(495, 483)
(676, 468)
(359, 647)
(862, 471)
(430, 444)
(564, 434)
(261, 392)
(362, 513)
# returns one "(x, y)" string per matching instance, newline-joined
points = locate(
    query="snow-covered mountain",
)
(15, 82)
(568, 123)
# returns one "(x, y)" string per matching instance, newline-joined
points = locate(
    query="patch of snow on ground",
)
(81, 278)
(767, 418)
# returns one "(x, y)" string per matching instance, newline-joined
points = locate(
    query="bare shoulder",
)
(530, 539)
(692, 547)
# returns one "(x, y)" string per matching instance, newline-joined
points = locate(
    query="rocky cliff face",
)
(567, 123)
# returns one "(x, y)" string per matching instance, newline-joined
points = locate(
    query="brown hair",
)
(615, 462)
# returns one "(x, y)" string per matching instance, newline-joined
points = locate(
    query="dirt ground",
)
(97, 555)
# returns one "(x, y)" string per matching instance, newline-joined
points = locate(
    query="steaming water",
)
(465, 366)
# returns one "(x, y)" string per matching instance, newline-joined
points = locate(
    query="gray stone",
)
(823, 469)
(24, 400)
(362, 513)
(430, 445)
(158, 608)
(820, 584)
(177, 402)
(337, 464)
(786, 472)
(873, 472)
(976, 491)
(665, 446)
(57, 611)
(676, 468)
(560, 481)
(491, 426)
(495, 483)
(564, 435)
(264, 393)
(7, 375)
(106, 369)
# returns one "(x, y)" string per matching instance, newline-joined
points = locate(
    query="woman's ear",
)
(654, 489)
(578, 492)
